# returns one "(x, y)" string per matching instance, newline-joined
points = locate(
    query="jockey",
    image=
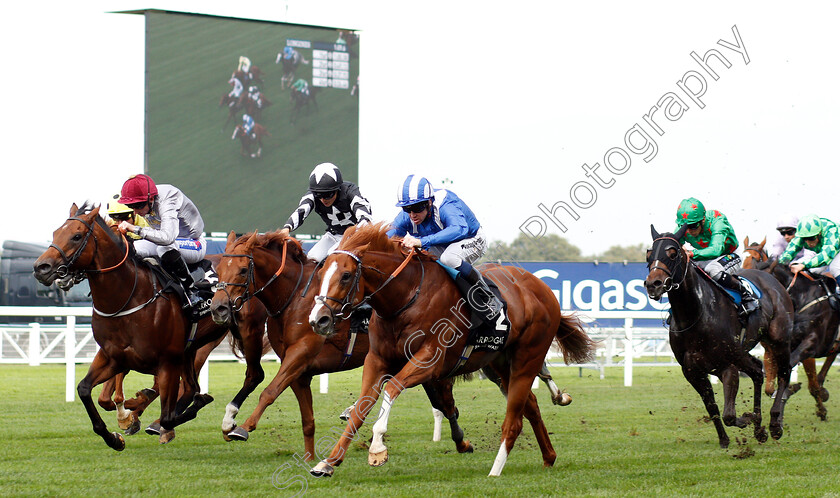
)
(248, 124)
(785, 230)
(301, 86)
(439, 222)
(820, 235)
(254, 93)
(713, 244)
(175, 232)
(120, 212)
(244, 64)
(341, 205)
(290, 53)
(236, 93)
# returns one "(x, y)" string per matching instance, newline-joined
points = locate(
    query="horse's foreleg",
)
(781, 353)
(254, 375)
(106, 394)
(373, 374)
(810, 367)
(729, 380)
(303, 392)
(440, 396)
(824, 371)
(699, 380)
(769, 373)
(101, 369)
(558, 397)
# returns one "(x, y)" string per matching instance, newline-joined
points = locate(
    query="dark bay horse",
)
(274, 269)
(815, 327)
(418, 334)
(249, 141)
(706, 335)
(233, 105)
(137, 326)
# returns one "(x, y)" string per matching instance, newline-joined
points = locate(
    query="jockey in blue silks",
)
(247, 123)
(439, 222)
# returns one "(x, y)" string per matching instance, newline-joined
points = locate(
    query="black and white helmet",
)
(326, 177)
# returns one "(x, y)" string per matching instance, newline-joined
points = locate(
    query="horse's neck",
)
(280, 291)
(687, 300)
(401, 289)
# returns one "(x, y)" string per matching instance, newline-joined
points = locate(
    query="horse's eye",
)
(672, 253)
(77, 237)
(345, 277)
(243, 271)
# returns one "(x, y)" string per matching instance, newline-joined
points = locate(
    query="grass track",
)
(647, 440)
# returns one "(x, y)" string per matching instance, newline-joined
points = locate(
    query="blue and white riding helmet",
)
(287, 51)
(413, 190)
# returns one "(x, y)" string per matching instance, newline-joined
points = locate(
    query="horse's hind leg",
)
(105, 396)
(532, 413)
(440, 396)
(730, 381)
(518, 389)
(769, 373)
(814, 387)
(558, 397)
(302, 387)
(700, 382)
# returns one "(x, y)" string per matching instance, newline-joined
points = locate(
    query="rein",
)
(659, 265)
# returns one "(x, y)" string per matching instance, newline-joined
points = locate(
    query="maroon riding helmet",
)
(138, 188)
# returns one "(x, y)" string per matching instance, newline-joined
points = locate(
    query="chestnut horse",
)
(416, 336)
(707, 337)
(250, 140)
(137, 326)
(274, 269)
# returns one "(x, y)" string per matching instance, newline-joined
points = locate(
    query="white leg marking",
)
(228, 423)
(381, 426)
(552, 387)
(438, 415)
(122, 413)
(501, 459)
(325, 286)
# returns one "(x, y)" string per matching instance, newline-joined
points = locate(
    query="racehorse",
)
(234, 105)
(274, 269)
(136, 325)
(248, 141)
(302, 101)
(254, 107)
(288, 72)
(707, 336)
(815, 327)
(416, 336)
(254, 75)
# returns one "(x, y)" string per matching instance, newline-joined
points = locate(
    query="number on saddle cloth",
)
(482, 335)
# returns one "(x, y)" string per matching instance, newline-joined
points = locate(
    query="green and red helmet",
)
(809, 226)
(690, 211)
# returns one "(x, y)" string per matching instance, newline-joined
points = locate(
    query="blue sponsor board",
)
(599, 287)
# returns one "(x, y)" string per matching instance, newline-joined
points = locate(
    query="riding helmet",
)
(809, 226)
(326, 177)
(690, 211)
(413, 190)
(138, 188)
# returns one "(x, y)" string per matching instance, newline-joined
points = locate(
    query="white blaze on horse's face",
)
(325, 286)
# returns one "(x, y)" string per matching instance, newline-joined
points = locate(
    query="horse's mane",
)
(275, 241)
(373, 237)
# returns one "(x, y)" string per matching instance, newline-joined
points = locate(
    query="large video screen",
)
(204, 74)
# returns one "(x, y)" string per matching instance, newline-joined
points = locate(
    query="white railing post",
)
(35, 344)
(70, 359)
(325, 383)
(628, 352)
(204, 378)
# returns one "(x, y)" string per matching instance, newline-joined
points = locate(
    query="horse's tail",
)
(573, 340)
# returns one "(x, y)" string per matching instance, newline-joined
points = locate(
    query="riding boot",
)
(748, 302)
(480, 297)
(360, 318)
(172, 262)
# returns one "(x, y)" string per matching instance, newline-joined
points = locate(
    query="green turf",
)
(189, 61)
(647, 440)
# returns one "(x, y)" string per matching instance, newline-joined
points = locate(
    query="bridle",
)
(761, 255)
(657, 264)
(346, 307)
(250, 282)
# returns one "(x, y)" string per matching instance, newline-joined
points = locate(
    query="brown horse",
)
(815, 327)
(419, 334)
(137, 326)
(233, 105)
(249, 141)
(707, 337)
(274, 269)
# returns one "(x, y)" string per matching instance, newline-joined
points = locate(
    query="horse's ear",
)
(681, 232)
(763, 241)
(73, 210)
(251, 240)
(653, 233)
(231, 237)
(746, 241)
(95, 212)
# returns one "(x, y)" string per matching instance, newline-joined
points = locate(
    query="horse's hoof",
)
(322, 470)
(166, 436)
(794, 388)
(237, 434)
(562, 399)
(465, 446)
(822, 414)
(824, 394)
(119, 442)
(154, 429)
(378, 459)
(761, 434)
(776, 431)
(133, 429)
(345, 415)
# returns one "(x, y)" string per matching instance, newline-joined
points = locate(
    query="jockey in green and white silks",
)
(714, 246)
(820, 235)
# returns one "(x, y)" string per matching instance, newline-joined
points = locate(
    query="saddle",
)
(204, 279)
(483, 336)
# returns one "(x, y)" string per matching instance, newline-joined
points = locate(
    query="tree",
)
(549, 247)
(618, 254)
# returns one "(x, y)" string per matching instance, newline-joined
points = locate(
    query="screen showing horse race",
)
(239, 112)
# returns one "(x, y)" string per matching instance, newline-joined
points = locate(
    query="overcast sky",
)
(506, 101)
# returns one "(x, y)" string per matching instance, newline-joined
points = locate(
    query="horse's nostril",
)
(323, 323)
